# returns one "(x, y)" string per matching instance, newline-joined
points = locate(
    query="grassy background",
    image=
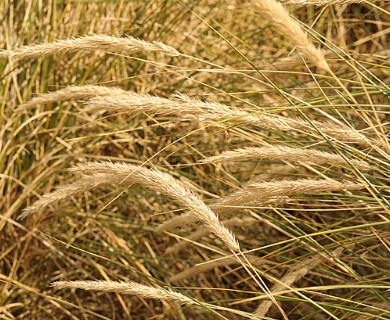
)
(234, 57)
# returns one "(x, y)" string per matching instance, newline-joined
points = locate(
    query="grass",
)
(220, 112)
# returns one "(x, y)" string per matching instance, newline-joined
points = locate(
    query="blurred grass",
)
(232, 57)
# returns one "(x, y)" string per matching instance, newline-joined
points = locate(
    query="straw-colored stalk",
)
(88, 43)
(187, 108)
(215, 262)
(256, 193)
(216, 114)
(101, 173)
(278, 15)
(292, 276)
(259, 192)
(143, 291)
(284, 153)
(118, 100)
(227, 204)
(128, 288)
(70, 92)
(66, 191)
(293, 62)
(202, 232)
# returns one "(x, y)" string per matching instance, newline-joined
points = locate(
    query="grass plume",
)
(243, 125)
(263, 193)
(216, 113)
(327, 2)
(100, 173)
(278, 15)
(284, 153)
(128, 288)
(215, 262)
(88, 43)
(68, 93)
(202, 232)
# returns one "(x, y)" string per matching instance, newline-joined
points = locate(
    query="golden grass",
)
(264, 193)
(283, 153)
(215, 262)
(128, 287)
(68, 93)
(87, 43)
(278, 15)
(116, 100)
(202, 232)
(327, 2)
(216, 113)
(286, 169)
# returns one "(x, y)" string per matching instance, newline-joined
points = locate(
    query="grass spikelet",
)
(216, 113)
(68, 93)
(88, 43)
(202, 232)
(258, 192)
(263, 193)
(221, 206)
(185, 107)
(277, 14)
(284, 153)
(117, 173)
(215, 262)
(292, 276)
(327, 2)
(177, 221)
(129, 101)
(142, 291)
(66, 191)
(128, 288)
(286, 102)
(188, 109)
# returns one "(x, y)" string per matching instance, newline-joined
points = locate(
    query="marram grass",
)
(254, 134)
(102, 173)
(277, 14)
(327, 2)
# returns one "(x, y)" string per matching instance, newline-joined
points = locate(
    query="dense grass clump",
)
(194, 159)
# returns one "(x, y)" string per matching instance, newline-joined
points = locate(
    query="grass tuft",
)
(242, 172)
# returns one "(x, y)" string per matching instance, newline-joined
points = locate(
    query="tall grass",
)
(231, 160)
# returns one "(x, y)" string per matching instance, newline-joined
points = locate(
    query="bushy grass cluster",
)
(194, 159)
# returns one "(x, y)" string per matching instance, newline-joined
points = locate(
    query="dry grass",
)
(327, 2)
(284, 153)
(202, 232)
(68, 93)
(214, 262)
(87, 43)
(286, 166)
(275, 12)
(296, 273)
(216, 114)
(103, 173)
(261, 194)
(115, 100)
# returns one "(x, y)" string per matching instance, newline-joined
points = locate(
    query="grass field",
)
(178, 159)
